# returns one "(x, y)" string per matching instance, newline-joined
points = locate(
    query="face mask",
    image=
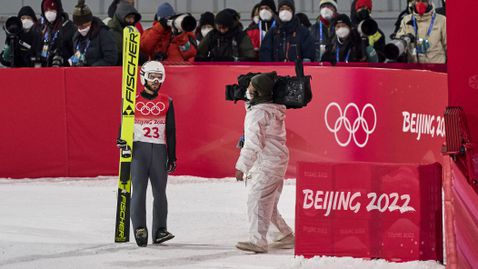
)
(363, 14)
(85, 31)
(326, 13)
(285, 15)
(50, 16)
(256, 19)
(265, 15)
(205, 31)
(342, 32)
(421, 8)
(27, 24)
(249, 96)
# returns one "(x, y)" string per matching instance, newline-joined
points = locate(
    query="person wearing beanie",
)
(429, 30)
(267, 20)
(26, 48)
(289, 40)
(206, 24)
(57, 34)
(94, 44)
(166, 40)
(226, 42)
(347, 44)
(125, 15)
(322, 30)
(361, 12)
(263, 162)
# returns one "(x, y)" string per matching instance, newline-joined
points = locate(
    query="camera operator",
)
(368, 27)
(171, 38)
(24, 45)
(227, 42)
(429, 31)
(57, 34)
(347, 44)
(94, 43)
(263, 163)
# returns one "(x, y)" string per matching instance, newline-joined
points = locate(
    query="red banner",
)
(369, 210)
(64, 122)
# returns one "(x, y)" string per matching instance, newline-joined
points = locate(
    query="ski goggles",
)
(154, 77)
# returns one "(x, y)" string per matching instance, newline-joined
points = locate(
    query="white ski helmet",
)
(152, 67)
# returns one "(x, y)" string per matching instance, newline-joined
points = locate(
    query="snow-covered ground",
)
(69, 223)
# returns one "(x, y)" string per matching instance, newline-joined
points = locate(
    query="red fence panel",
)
(390, 211)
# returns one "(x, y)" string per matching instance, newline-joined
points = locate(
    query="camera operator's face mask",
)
(326, 13)
(342, 32)
(50, 16)
(265, 14)
(285, 15)
(27, 24)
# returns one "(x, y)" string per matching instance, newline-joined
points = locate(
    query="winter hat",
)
(165, 10)
(27, 11)
(264, 85)
(343, 18)
(225, 18)
(363, 3)
(269, 3)
(207, 18)
(82, 13)
(331, 2)
(49, 4)
(289, 3)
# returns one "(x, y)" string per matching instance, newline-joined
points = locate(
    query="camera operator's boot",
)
(162, 236)
(285, 242)
(141, 237)
(251, 247)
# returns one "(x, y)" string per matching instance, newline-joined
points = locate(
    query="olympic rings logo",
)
(150, 108)
(351, 128)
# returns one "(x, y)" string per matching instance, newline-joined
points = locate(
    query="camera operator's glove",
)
(57, 61)
(171, 166)
(125, 149)
(240, 142)
(239, 175)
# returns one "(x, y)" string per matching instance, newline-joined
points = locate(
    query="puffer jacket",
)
(159, 43)
(265, 149)
(437, 39)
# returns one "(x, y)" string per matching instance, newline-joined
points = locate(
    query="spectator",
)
(255, 15)
(206, 25)
(27, 44)
(304, 20)
(227, 42)
(126, 15)
(429, 30)
(346, 46)
(94, 44)
(402, 14)
(363, 9)
(263, 162)
(154, 154)
(267, 20)
(442, 9)
(289, 40)
(322, 31)
(57, 34)
(167, 40)
(112, 11)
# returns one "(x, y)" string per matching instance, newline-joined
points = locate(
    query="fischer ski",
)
(131, 38)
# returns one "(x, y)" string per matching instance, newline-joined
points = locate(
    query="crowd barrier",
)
(64, 122)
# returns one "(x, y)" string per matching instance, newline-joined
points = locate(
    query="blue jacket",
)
(287, 42)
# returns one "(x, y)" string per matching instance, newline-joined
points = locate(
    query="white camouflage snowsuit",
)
(264, 160)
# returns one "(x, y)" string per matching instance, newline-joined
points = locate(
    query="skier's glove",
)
(125, 149)
(171, 166)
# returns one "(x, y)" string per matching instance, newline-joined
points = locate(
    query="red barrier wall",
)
(369, 210)
(63, 122)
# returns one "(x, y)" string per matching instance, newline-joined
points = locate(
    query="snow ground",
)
(69, 223)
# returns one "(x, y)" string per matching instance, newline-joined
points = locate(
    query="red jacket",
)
(158, 40)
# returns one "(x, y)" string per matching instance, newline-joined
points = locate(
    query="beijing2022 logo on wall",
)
(351, 123)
